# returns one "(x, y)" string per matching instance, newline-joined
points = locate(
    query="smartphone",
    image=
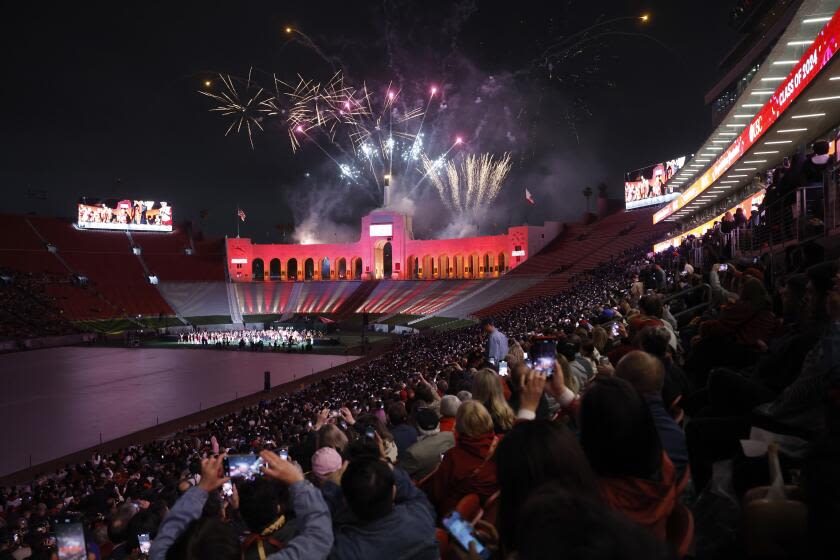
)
(525, 357)
(284, 454)
(503, 368)
(462, 531)
(545, 356)
(614, 329)
(145, 542)
(342, 424)
(370, 432)
(227, 489)
(723, 267)
(243, 466)
(70, 536)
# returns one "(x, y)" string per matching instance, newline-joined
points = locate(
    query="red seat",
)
(680, 530)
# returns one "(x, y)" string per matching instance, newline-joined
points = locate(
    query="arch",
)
(274, 269)
(341, 268)
(356, 266)
(387, 260)
(382, 259)
(291, 269)
(308, 269)
(413, 270)
(258, 269)
(428, 267)
(325, 268)
(443, 266)
(501, 263)
(474, 265)
(487, 265)
(457, 266)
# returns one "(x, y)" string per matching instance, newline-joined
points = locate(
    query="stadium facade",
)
(386, 249)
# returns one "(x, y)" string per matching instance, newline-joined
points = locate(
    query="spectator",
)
(620, 439)
(497, 342)
(424, 456)
(487, 389)
(405, 435)
(556, 518)
(646, 374)
(263, 505)
(395, 520)
(533, 454)
(448, 410)
(212, 539)
(467, 468)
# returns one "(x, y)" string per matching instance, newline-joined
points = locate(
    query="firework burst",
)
(470, 183)
(246, 107)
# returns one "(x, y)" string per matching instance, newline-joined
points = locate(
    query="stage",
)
(57, 401)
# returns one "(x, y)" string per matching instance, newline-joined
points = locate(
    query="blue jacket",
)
(313, 542)
(407, 533)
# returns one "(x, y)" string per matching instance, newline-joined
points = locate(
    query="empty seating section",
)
(416, 297)
(166, 258)
(581, 249)
(293, 297)
(485, 296)
(118, 283)
(21, 249)
(196, 299)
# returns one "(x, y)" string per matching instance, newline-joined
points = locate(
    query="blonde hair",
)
(473, 419)
(599, 337)
(487, 389)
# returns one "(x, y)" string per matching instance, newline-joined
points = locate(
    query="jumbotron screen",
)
(649, 185)
(134, 215)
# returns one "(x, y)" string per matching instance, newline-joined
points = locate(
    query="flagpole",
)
(237, 221)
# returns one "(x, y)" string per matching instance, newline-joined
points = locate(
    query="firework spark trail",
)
(246, 109)
(470, 184)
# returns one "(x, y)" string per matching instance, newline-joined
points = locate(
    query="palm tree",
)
(602, 190)
(587, 192)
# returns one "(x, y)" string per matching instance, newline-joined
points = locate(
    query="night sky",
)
(100, 100)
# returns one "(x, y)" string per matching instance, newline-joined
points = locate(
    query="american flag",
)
(241, 213)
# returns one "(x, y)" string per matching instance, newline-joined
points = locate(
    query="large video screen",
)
(134, 215)
(649, 185)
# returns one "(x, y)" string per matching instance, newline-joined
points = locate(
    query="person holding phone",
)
(315, 535)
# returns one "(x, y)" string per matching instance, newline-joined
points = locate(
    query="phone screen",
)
(227, 489)
(370, 433)
(503, 368)
(145, 543)
(545, 356)
(71, 540)
(614, 329)
(723, 267)
(284, 454)
(462, 531)
(245, 466)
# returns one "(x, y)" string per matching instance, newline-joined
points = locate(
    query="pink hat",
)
(325, 461)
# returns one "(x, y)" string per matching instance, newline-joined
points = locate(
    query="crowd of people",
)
(273, 338)
(27, 310)
(600, 447)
